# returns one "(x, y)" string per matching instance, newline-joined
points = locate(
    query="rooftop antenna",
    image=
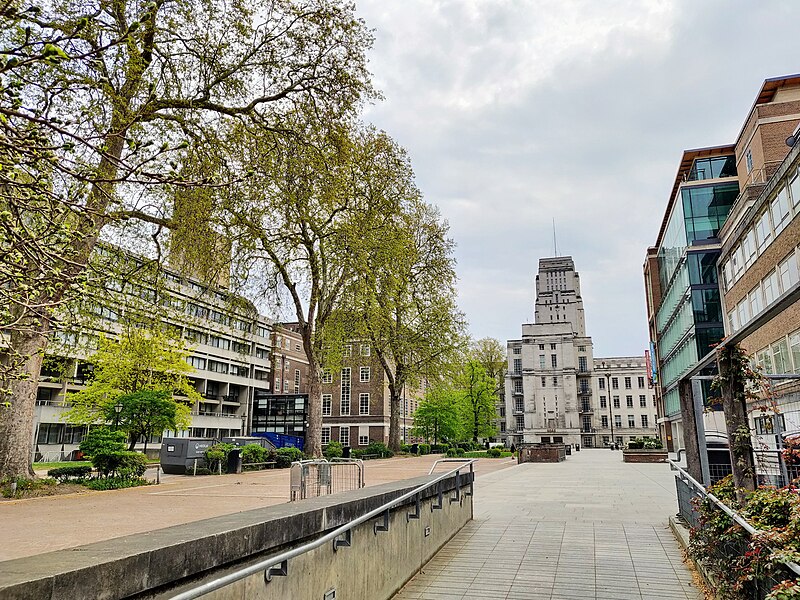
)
(555, 241)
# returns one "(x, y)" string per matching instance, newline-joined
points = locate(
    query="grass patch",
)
(36, 488)
(46, 466)
(484, 454)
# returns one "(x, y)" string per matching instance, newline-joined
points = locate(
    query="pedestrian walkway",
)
(590, 527)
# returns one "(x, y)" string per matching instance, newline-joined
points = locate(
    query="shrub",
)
(652, 444)
(284, 457)
(123, 465)
(334, 450)
(217, 455)
(357, 453)
(405, 448)
(636, 444)
(101, 440)
(64, 474)
(495, 452)
(380, 449)
(439, 448)
(24, 487)
(424, 449)
(254, 453)
(115, 483)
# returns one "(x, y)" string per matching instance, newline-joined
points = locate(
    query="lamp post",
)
(117, 411)
(610, 413)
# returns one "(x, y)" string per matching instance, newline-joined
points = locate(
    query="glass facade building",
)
(689, 320)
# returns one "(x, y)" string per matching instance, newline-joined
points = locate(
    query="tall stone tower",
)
(558, 294)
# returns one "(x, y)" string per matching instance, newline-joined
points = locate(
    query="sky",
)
(519, 113)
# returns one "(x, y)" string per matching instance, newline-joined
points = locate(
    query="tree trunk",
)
(690, 440)
(313, 443)
(394, 419)
(732, 388)
(17, 417)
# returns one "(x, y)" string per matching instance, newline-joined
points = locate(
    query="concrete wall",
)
(161, 563)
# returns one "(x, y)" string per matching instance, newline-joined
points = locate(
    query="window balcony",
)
(587, 408)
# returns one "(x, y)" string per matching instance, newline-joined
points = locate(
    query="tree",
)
(491, 355)
(438, 415)
(141, 371)
(479, 400)
(299, 227)
(100, 105)
(406, 295)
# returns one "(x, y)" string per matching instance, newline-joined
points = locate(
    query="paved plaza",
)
(590, 527)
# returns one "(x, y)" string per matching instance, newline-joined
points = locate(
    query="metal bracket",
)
(376, 527)
(414, 515)
(342, 542)
(457, 496)
(276, 571)
(440, 502)
(471, 481)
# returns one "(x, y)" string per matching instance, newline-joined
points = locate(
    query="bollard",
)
(195, 467)
(158, 474)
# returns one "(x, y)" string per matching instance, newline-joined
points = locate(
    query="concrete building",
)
(553, 378)
(760, 257)
(231, 354)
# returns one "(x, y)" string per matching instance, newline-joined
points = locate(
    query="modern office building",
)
(760, 258)
(230, 351)
(683, 299)
(553, 384)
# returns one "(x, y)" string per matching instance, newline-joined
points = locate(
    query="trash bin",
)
(234, 461)
(346, 452)
(414, 448)
(577, 447)
(568, 449)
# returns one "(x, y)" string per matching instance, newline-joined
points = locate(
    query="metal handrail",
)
(739, 519)
(466, 461)
(267, 564)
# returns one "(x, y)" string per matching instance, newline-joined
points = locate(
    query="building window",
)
(347, 350)
(364, 373)
(582, 364)
(552, 346)
(604, 421)
(629, 401)
(541, 361)
(297, 381)
(363, 440)
(344, 404)
(644, 421)
(197, 362)
(544, 381)
(365, 350)
(631, 421)
(327, 376)
(363, 404)
(502, 426)
(327, 401)
(285, 386)
(748, 160)
(518, 386)
(581, 348)
(643, 401)
(520, 423)
(627, 383)
(517, 365)
(640, 381)
(325, 436)
(517, 350)
(519, 405)
(344, 436)
(618, 421)
(780, 211)
(787, 272)
(555, 381)
(601, 383)
(603, 402)
(614, 383)
(615, 401)
(763, 231)
(217, 367)
(553, 361)
(541, 346)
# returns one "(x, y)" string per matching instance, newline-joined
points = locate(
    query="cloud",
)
(518, 112)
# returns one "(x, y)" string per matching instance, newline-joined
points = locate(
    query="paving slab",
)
(591, 527)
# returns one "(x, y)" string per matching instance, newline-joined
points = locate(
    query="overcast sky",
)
(518, 112)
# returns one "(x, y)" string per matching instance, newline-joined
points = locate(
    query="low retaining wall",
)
(542, 454)
(644, 456)
(161, 563)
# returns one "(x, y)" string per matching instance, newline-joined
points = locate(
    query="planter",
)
(542, 453)
(644, 456)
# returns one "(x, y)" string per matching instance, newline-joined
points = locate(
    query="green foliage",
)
(24, 486)
(455, 452)
(733, 557)
(333, 450)
(284, 457)
(62, 474)
(217, 456)
(495, 452)
(479, 400)
(645, 443)
(439, 414)
(378, 448)
(114, 483)
(139, 371)
(424, 449)
(120, 464)
(254, 453)
(102, 440)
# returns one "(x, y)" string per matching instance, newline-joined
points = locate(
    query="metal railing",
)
(341, 537)
(319, 477)
(688, 489)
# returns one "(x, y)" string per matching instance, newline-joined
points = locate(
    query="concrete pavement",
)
(40, 525)
(592, 527)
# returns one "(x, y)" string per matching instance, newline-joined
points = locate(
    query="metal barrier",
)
(340, 537)
(688, 489)
(319, 477)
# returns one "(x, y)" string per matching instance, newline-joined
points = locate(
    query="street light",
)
(117, 410)
(610, 413)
